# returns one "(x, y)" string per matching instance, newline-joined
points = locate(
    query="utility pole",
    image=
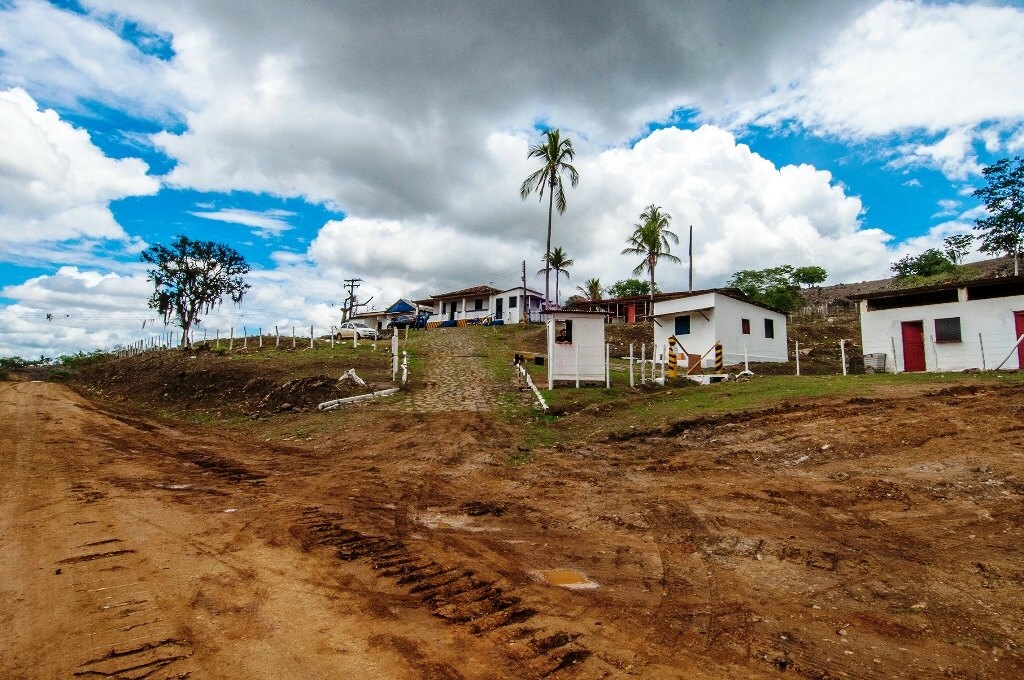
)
(524, 318)
(349, 308)
(691, 258)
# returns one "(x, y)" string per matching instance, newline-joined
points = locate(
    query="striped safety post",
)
(719, 357)
(672, 371)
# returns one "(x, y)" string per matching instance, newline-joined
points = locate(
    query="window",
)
(478, 304)
(769, 328)
(683, 325)
(948, 330)
(563, 332)
(513, 301)
(444, 307)
(745, 325)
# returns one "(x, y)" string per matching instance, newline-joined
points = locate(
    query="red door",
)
(913, 346)
(1018, 319)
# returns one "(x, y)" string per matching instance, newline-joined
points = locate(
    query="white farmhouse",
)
(948, 327)
(700, 318)
(483, 304)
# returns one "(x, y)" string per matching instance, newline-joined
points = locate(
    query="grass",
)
(597, 411)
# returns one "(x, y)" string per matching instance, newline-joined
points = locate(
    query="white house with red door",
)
(949, 327)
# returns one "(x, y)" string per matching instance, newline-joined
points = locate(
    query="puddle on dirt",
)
(439, 520)
(565, 578)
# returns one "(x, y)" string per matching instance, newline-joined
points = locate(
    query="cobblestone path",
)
(455, 377)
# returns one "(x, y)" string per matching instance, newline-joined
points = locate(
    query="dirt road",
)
(863, 538)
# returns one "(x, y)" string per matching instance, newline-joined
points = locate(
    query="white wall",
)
(587, 346)
(723, 323)
(993, 319)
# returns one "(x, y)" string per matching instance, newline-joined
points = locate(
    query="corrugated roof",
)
(475, 291)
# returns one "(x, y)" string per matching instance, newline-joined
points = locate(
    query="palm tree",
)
(651, 238)
(558, 260)
(556, 154)
(591, 289)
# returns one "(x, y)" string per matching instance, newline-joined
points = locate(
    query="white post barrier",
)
(981, 343)
(394, 355)
(332, 341)
(842, 354)
(797, 353)
(277, 334)
(311, 336)
(231, 341)
(607, 365)
(746, 362)
(293, 337)
(261, 337)
(405, 367)
(895, 368)
(355, 338)
(643, 363)
(245, 338)
(631, 385)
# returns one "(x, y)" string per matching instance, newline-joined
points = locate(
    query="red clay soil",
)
(837, 538)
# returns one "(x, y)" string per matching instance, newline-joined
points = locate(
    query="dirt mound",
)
(249, 384)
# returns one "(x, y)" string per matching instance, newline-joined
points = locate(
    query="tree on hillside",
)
(556, 154)
(591, 290)
(809, 276)
(558, 260)
(1003, 195)
(630, 288)
(650, 239)
(929, 263)
(191, 278)
(957, 246)
(774, 287)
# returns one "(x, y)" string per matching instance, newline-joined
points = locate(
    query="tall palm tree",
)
(556, 154)
(650, 239)
(558, 260)
(591, 289)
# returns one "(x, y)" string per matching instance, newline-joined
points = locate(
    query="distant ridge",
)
(983, 269)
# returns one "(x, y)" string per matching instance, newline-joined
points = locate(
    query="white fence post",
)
(231, 341)
(261, 337)
(797, 353)
(982, 344)
(218, 338)
(631, 384)
(405, 367)
(842, 354)
(643, 363)
(311, 336)
(245, 338)
(607, 365)
(293, 337)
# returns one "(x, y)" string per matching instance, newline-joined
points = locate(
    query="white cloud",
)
(949, 70)
(68, 59)
(266, 223)
(54, 183)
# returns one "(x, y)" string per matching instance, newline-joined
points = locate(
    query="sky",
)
(387, 142)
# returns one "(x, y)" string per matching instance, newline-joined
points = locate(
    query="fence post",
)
(405, 367)
(935, 351)
(261, 337)
(277, 335)
(842, 354)
(607, 365)
(218, 338)
(245, 338)
(332, 345)
(293, 337)
(643, 363)
(311, 336)
(631, 384)
(797, 353)
(895, 365)
(982, 343)
(231, 341)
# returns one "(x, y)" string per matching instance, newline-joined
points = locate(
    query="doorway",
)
(913, 346)
(498, 308)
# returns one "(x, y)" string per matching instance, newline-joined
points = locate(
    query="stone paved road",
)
(455, 377)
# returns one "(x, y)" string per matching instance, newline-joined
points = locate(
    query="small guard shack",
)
(576, 347)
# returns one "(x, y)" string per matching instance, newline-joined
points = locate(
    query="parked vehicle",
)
(358, 328)
(409, 321)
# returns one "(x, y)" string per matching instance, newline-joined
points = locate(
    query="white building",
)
(576, 348)
(701, 318)
(949, 327)
(483, 304)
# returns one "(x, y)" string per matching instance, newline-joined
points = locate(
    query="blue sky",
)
(320, 146)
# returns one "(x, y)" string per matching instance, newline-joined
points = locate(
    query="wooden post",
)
(293, 337)
(631, 384)
(797, 353)
(895, 364)
(245, 338)
(231, 341)
(982, 344)
(842, 354)
(311, 336)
